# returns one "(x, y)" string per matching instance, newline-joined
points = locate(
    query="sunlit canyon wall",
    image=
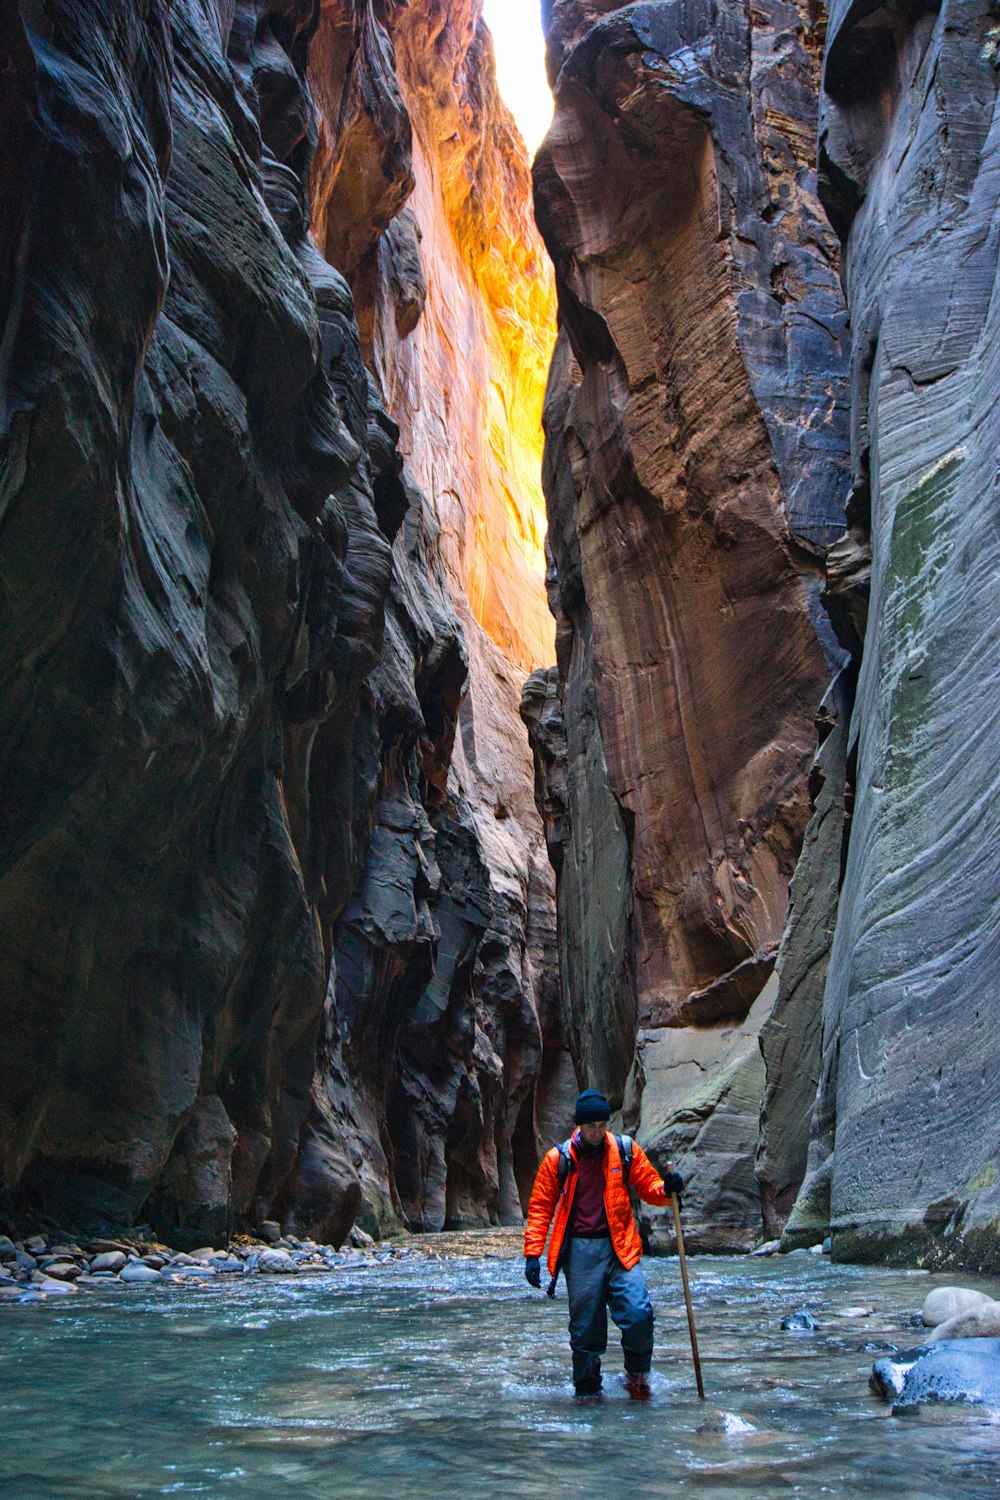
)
(456, 306)
(277, 926)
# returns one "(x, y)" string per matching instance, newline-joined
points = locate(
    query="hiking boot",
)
(637, 1385)
(589, 1390)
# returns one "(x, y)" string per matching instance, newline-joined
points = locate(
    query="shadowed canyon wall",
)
(695, 471)
(904, 1158)
(278, 930)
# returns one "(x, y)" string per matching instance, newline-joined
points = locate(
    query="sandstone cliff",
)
(456, 305)
(904, 1154)
(695, 472)
(178, 478)
(276, 920)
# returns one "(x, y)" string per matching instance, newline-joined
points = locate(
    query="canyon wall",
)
(278, 929)
(456, 305)
(760, 624)
(904, 1155)
(696, 471)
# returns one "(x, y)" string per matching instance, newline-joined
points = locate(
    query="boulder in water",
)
(799, 1322)
(277, 1263)
(950, 1372)
(108, 1260)
(725, 1424)
(946, 1302)
(135, 1273)
(981, 1322)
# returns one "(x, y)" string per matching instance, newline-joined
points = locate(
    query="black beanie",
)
(591, 1106)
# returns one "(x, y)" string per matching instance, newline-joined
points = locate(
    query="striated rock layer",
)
(904, 1155)
(695, 473)
(277, 924)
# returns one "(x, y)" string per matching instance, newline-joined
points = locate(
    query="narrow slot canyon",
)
(483, 630)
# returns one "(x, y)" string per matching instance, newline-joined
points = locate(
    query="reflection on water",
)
(419, 1378)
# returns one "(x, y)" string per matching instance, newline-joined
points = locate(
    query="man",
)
(585, 1183)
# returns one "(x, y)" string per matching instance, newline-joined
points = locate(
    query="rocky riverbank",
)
(55, 1265)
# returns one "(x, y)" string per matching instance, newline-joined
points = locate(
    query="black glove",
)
(673, 1182)
(532, 1271)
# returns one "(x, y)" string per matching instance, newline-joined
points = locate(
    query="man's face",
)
(594, 1131)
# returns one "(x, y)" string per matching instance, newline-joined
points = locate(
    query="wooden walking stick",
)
(687, 1290)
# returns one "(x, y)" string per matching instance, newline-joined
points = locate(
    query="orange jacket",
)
(547, 1197)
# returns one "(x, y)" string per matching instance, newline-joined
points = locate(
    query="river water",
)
(427, 1378)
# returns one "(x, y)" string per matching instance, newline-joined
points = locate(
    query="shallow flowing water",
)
(424, 1378)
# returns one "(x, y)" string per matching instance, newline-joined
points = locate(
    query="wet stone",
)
(954, 1372)
(270, 1232)
(277, 1263)
(135, 1273)
(799, 1322)
(62, 1270)
(108, 1260)
(946, 1302)
(50, 1286)
(980, 1322)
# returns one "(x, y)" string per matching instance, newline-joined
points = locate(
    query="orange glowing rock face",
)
(462, 360)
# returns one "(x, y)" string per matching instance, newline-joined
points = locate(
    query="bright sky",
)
(517, 34)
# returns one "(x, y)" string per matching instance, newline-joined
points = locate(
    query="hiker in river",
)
(585, 1183)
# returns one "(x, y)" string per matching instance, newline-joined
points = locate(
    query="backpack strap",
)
(566, 1163)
